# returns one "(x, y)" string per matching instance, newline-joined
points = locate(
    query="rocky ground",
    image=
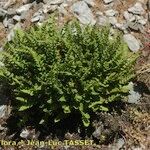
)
(132, 17)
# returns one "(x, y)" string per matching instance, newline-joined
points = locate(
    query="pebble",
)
(132, 42)
(129, 16)
(38, 16)
(3, 111)
(102, 20)
(137, 9)
(17, 18)
(97, 133)
(83, 13)
(11, 34)
(113, 20)
(111, 13)
(2, 13)
(23, 8)
(49, 8)
(108, 1)
(53, 2)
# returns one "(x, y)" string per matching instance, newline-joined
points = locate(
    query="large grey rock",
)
(83, 13)
(108, 1)
(132, 42)
(137, 9)
(23, 8)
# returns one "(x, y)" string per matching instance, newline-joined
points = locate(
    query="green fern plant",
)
(65, 70)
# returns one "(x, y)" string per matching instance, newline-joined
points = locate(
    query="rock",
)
(25, 133)
(83, 13)
(113, 20)
(3, 111)
(8, 23)
(97, 133)
(53, 2)
(62, 10)
(119, 144)
(23, 8)
(9, 3)
(2, 13)
(129, 16)
(142, 21)
(12, 32)
(122, 27)
(11, 11)
(17, 18)
(111, 13)
(102, 20)
(38, 16)
(132, 42)
(135, 26)
(108, 1)
(49, 8)
(29, 134)
(137, 9)
(91, 3)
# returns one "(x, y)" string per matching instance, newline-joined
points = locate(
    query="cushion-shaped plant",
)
(64, 70)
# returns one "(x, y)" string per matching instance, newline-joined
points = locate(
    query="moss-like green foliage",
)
(64, 70)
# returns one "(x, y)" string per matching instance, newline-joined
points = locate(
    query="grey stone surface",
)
(129, 16)
(17, 18)
(132, 42)
(83, 13)
(97, 133)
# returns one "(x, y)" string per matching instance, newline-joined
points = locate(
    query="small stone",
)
(38, 16)
(113, 20)
(2, 13)
(83, 13)
(10, 36)
(49, 8)
(9, 3)
(91, 3)
(128, 16)
(97, 133)
(142, 21)
(25, 133)
(17, 18)
(23, 8)
(11, 11)
(53, 2)
(3, 111)
(137, 9)
(8, 23)
(102, 20)
(132, 42)
(119, 144)
(111, 13)
(108, 1)
(62, 10)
